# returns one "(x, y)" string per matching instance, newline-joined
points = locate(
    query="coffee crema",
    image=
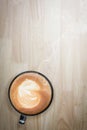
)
(30, 93)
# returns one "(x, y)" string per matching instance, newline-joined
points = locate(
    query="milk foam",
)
(27, 93)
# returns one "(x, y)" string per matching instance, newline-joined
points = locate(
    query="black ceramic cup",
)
(24, 115)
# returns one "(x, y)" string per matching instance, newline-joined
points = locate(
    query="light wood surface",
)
(49, 36)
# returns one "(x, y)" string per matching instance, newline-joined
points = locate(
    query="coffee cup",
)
(30, 93)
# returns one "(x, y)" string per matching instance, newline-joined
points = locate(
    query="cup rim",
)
(50, 84)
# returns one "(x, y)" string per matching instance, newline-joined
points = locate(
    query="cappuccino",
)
(30, 93)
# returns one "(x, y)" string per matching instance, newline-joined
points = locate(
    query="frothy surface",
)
(27, 96)
(30, 93)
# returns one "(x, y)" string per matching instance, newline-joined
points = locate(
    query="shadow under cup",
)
(30, 93)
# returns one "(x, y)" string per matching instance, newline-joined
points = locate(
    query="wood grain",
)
(49, 36)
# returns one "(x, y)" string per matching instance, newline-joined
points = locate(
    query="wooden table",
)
(49, 36)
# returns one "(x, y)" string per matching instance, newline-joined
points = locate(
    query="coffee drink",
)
(30, 93)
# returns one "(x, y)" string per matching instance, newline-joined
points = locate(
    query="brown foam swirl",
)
(30, 93)
(27, 94)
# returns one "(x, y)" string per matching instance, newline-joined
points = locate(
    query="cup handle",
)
(22, 119)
